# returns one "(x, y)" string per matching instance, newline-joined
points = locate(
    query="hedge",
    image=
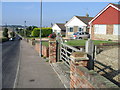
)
(44, 32)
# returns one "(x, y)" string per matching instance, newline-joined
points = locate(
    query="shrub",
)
(5, 32)
(4, 39)
(12, 34)
(53, 35)
(44, 33)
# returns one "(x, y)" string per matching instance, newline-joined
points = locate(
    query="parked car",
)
(11, 39)
(81, 35)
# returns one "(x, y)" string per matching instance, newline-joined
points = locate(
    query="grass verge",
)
(82, 42)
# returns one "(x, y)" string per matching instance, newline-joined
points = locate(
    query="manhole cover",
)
(32, 80)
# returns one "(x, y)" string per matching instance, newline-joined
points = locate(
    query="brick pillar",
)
(78, 59)
(52, 51)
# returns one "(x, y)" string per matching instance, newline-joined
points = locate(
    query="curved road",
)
(10, 58)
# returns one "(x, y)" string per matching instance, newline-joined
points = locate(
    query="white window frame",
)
(99, 30)
(116, 29)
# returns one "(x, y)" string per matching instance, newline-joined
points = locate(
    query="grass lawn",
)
(45, 44)
(82, 42)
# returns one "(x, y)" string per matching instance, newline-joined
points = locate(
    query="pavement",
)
(35, 72)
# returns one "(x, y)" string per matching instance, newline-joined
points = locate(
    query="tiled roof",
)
(116, 5)
(61, 26)
(85, 19)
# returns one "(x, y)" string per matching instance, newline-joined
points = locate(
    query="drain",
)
(32, 80)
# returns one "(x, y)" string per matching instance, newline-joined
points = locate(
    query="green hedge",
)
(44, 33)
(4, 39)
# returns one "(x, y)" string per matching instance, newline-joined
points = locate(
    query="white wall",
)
(56, 28)
(116, 30)
(75, 22)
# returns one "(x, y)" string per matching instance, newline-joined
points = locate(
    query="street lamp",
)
(40, 29)
(24, 29)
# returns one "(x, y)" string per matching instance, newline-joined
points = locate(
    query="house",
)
(104, 26)
(77, 24)
(59, 28)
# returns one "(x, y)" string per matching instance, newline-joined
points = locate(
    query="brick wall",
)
(45, 50)
(52, 51)
(107, 36)
(109, 29)
(81, 77)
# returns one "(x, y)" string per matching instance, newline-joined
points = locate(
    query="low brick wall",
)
(106, 37)
(45, 50)
(81, 77)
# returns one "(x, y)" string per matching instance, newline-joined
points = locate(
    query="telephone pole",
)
(24, 29)
(40, 29)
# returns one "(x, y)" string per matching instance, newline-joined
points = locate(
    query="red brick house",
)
(106, 24)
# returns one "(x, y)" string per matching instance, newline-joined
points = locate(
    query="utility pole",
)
(40, 29)
(24, 29)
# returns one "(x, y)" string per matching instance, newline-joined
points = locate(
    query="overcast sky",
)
(53, 12)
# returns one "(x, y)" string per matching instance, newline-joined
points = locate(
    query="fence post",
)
(89, 48)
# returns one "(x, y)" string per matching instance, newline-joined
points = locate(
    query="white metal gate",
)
(65, 53)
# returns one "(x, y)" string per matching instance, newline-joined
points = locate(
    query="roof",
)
(61, 26)
(84, 19)
(116, 6)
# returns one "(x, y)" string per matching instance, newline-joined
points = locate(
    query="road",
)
(10, 58)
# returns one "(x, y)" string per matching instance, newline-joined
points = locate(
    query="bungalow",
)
(77, 24)
(104, 26)
(59, 28)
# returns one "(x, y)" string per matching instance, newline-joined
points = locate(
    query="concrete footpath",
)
(34, 72)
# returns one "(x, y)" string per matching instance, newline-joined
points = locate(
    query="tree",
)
(12, 34)
(5, 33)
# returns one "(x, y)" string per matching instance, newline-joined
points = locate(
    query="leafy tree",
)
(12, 34)
(5, 32)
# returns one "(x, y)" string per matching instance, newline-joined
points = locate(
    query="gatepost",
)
(52, 50)
(89, 48)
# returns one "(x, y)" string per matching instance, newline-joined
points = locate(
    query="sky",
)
(53, 12)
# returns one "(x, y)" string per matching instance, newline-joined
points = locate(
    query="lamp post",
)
(24, 29)
(40, 29)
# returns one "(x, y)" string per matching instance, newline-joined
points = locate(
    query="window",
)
(80, 29)
(116, 29)
(100, 29)
(71, 29)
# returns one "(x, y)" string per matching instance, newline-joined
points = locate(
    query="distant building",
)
(106, 24)
(77, 24)
(59, 28)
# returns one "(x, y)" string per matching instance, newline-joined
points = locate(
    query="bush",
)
(5, 32)
(4, 39)
(44, 33)
(12, 34)
(53, 35)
